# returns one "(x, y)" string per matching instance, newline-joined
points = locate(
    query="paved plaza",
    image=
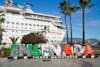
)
(53, 63)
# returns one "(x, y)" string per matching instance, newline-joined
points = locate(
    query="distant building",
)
(93, 41)
(77, 40)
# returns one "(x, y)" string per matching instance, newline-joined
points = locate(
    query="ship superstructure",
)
(18, 22)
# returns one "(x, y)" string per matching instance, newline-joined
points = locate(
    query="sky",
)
(92, 15)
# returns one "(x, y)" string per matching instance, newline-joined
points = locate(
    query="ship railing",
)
(32, 17)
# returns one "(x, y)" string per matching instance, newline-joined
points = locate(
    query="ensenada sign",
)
(50, 50)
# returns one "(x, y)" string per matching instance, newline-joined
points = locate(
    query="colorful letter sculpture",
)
(12, 50)
(30, 48)
(19, 50)
(56, 50)
(50, 50)
(68, 50)
(36, 51)
(88, 50)
(45, 50)
(78, 50)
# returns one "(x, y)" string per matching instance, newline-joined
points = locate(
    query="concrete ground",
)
(53, 63)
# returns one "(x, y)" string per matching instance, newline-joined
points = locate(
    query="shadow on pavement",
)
(86, 64)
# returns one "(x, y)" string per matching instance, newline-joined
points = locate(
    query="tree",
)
(33, 38)
(71, 9)
(14, 40)
(63, 7)
(84, 4)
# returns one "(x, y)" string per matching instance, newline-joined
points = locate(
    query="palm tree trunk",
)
(83, 26)
(66, 30)
(71, 39)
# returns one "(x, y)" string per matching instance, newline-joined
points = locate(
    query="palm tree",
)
(84, 4)
(14, 40)
(71, 9)
(63, 7)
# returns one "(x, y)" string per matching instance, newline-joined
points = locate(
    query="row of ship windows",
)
(31, 25)
(54, 40)
(47, 38)
(22, 32)
(25, 28)
(41, 17)
(16, 34)
(26, 24)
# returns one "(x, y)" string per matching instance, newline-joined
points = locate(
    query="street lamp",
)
(1, 30)
(45, 31)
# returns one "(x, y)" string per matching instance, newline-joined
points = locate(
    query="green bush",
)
(4, 52)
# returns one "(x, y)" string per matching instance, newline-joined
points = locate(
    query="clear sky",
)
(92, 15)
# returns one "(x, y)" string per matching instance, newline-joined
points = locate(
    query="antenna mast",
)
(8, 2)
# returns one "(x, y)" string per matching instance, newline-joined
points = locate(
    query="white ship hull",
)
(18, 23)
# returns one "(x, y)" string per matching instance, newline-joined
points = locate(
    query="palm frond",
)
(17, 38)
(91, 5)
(85, 3)
(64, 6)
(14, 40)
(74, 9)
(11, 38)
(2, 20)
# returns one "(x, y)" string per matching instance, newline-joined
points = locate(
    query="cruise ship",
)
(22, 20)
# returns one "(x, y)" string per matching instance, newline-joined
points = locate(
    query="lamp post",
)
(1, 30)
(45, 31)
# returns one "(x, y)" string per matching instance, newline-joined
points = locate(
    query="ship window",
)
(16, 27)
(21, 31)
(12, 12)
(48, 26)
(17, 23)
(48, 29)
(12, 31)
(12, 22)
(25, 28)
(9, 12)
(30, 24)
(26, 24)
(6, 26)
(15, 13)
(41, 25)
(7, 22)
(37, 25)
(27, 14)
(33, 24)
(22, 23)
